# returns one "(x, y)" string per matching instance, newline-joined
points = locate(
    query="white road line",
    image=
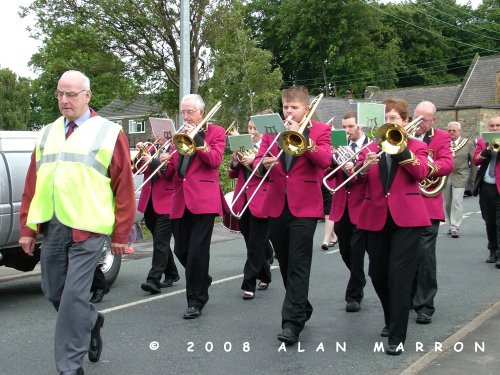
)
(161, 296)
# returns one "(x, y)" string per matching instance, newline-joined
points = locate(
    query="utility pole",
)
(185, 71)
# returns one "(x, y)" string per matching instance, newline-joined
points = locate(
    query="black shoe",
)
(491, 259)
(423, 318)
(288, 336)
(169, 282)
(393, 350)
(98, 295)
(352, 306)
(454, 233)
(95, 348)
(497, 264)
(263, 286)
(78, 371)
(248, 295)
(385, 332)
(324, 247)
(192, 313)
(150, 287)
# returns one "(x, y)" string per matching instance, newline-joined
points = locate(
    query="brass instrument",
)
(255, 169)
(293, 142)
(391, 138)
(143, 150)
(184, 143)
(232, 131)
(494, 145)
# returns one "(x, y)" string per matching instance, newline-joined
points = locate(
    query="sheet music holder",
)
(163, 128)
(490, 136)
(339, 138)
(371, 115)
(240, 142)
(270, 123)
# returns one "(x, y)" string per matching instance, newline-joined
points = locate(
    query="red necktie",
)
(71, 128)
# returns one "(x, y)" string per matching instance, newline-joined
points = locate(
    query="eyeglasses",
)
(392, 119)
(69, 95)
(189, 112)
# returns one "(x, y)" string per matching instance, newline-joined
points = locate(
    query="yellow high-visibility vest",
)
(73, 180)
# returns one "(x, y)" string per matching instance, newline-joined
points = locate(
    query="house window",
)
(135, 126)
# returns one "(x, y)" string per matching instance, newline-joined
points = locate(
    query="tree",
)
(14, 101)
(143, 33)
(81, 48)
(243, 77)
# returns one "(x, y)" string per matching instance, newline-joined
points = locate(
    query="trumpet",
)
(184, 143)
(232, 131)
(293, 142)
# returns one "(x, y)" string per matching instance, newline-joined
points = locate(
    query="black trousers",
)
(489, 202)
(192, 234)
(393, 263)
(292, 238)
(256, 234)
(162, 262)
(425, 285)
(352, 249)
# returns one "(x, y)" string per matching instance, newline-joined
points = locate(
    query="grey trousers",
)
(453, 199)
(425, 287)
(67, 272)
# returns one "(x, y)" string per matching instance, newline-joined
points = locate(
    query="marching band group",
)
(387, 202)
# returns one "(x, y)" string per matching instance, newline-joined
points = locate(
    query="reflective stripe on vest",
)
(72, 176)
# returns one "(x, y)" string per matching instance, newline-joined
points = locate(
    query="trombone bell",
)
(392, 139)
(184, 144)
(293, 143)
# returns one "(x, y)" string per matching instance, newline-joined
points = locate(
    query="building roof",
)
(140, 106)
(476, 90)
(480, 82)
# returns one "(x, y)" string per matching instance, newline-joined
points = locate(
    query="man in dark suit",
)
(488, 185)
(453, 193)
(156, 203)
(197, 199)
(393, 217)
(346, 205)
(294, 205)
(439, 149)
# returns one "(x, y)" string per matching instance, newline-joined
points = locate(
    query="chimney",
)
(497, 94)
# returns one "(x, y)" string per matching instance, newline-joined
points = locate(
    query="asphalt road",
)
(146, 334)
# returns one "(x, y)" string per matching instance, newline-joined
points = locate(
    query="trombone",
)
(391, 138)
(184, 141)
(255, 169)
(293, 142)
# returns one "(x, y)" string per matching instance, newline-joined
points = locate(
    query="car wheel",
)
(109, 263)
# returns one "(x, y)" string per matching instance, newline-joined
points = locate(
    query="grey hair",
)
(427, 104)
(83, 77)
(459, 127)
(491, 118)
(198, 100)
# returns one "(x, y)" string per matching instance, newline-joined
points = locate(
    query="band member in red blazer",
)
(197, 199)
(488, 185)
(156, 203)
(346, 205)
(254, 223)
(439, 148)
(393, 214)
(294, 205)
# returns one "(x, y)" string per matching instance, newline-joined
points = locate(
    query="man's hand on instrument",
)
(188, 127)
(247, 160)
(164, 157)
(27, 244)
(348, 166)
(118, 248)
(292, 125)
(372, 158)
(269, 160)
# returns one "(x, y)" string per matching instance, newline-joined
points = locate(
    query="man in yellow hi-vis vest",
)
(78, 190)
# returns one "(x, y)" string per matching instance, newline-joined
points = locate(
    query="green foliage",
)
(226, 183)
(81, 48)
(243, 77)
(14, 101)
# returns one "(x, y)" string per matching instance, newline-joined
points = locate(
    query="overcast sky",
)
(17, 47)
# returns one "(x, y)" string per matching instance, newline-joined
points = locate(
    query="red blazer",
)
(439, 148)
(199, 190)
(483, 162)
(403, 199)
(257, 206)
(161, 191)
(301, 186)
(352, 197)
